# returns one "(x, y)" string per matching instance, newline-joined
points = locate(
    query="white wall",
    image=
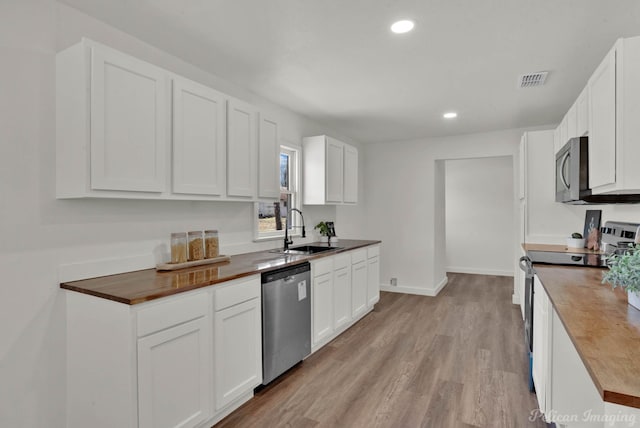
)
(39, 233)
(479, 215)
(404, 202)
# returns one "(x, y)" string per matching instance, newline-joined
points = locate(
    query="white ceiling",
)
(336, 61)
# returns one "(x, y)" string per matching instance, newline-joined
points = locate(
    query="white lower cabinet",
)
(373, 275)
(180, 361)
(322, 299)
(358, 282)
(238, 346)
(542, 335)
(174, 376)
(341, 293)
(341, 290)
(572, 389)
(322, 307)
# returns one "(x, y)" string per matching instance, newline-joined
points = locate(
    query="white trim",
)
(476, 271)
(420, 291)
(515, 299)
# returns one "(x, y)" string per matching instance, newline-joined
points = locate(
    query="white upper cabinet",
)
(128, 129)
(602, 138)
(582, 113)
(129, 107)
(350, 174)
(198, 139)
(614, 100)
(572, 122)
(330, 171)
(334, 170)
(112, 112)
(563, 131)
(241, 149)
(268, 158)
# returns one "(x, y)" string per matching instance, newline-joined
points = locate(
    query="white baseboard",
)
(477, 271)
(421, 291)
(515, 299)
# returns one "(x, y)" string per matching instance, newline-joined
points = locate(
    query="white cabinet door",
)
(174, 376)
(564, 131)
(602, 123)
(198, 139)
(572, 121)
(358, 288)
(129, 118)
(334, 170)
(350, 174)
(322, 289)
(241, 149)
(572, 389)
(373, 280)
(583, 113)
(341, 296)
(268, 159)
(237, 351)
(541, 346)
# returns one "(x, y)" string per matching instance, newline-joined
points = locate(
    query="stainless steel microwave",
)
(572, 177)
(572, 171)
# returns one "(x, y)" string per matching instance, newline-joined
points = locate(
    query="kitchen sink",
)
(306, 249)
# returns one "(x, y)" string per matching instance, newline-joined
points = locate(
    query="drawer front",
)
(322, 266)
(373, 251)
(358, 256)
(173, 311)
(341, 261)
(235, 292)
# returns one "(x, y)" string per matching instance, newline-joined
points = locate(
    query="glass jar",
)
(178, 247)
(211, 244)
(196, 247)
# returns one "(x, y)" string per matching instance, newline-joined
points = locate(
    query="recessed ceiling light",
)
(403, 26)
(450, 115)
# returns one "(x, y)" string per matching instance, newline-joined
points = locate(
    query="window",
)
(273, 217)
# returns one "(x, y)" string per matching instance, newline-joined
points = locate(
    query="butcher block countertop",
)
(604, 329)
(141, 286)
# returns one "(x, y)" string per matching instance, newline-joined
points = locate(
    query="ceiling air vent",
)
(532, 79)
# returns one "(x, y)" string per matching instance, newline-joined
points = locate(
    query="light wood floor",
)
(455, 360)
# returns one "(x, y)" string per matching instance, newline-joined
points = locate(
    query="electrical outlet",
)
(394, 282)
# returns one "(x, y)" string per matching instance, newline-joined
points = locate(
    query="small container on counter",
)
(178, 247)
(211, 244)
(196, 246)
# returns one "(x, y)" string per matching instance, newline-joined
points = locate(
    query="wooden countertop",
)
(604, 329)
(144, 285)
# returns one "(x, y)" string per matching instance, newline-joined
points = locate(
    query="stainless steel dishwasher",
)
(286, 319)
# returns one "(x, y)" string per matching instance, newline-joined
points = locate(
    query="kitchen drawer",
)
(373, 251)
(235, 292)
(358, 256)
(174, 311)
(322, 266)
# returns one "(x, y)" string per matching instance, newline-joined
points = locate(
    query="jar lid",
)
(211, 231)
(178, 234)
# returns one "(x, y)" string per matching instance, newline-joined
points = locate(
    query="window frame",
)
(295, 168)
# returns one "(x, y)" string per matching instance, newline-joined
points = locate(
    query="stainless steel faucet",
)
(288, 241)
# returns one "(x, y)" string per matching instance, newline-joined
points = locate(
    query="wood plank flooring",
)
(455, 360)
